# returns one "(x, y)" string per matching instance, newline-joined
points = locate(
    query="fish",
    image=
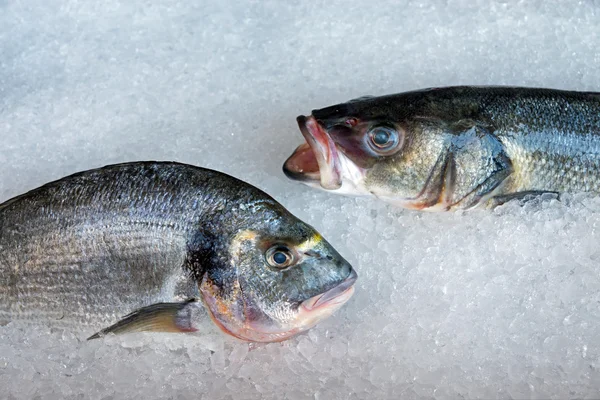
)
(172, 242)
(453, 148)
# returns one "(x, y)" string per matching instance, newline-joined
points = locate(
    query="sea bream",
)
(160, 239)
(453, 148)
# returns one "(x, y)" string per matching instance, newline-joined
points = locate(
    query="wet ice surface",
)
(502, 304)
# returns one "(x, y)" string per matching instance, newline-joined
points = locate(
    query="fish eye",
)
(279, 256)
(383, 138)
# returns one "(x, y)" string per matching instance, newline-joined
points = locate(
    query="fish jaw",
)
(310, 312)
(319, 307)
(319, 163)
(301, 165)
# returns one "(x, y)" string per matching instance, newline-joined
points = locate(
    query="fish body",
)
(453, 148)
(93, 246)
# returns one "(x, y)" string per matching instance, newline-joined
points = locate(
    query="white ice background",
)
(487, 304)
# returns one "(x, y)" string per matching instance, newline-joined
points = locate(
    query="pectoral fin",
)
(521, 196)
(160, 317)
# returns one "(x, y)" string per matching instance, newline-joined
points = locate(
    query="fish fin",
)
(521, 196)
(159, 317)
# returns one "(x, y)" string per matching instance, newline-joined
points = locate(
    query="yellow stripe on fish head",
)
(249, 235)
(311, 242)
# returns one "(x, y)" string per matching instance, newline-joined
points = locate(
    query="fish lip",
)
(336, 295)
(311, 311)
(324, 151)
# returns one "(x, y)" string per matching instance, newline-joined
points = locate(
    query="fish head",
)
(282, 278)
(368, 147)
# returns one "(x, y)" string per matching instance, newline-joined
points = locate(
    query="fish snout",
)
(334, 297)
(318, 159)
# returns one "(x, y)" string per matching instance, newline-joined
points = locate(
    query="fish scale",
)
(532, 141)
(150, 239)
(549, 133)
(69, 265)
(79, 236)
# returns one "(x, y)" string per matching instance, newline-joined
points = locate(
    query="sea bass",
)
(453, 148)
(155, 237)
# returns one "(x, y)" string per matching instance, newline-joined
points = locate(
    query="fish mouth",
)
(318, 159)
(334, 297)
(310, 313)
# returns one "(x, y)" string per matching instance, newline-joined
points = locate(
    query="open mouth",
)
(317, 159)
(334, 297)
